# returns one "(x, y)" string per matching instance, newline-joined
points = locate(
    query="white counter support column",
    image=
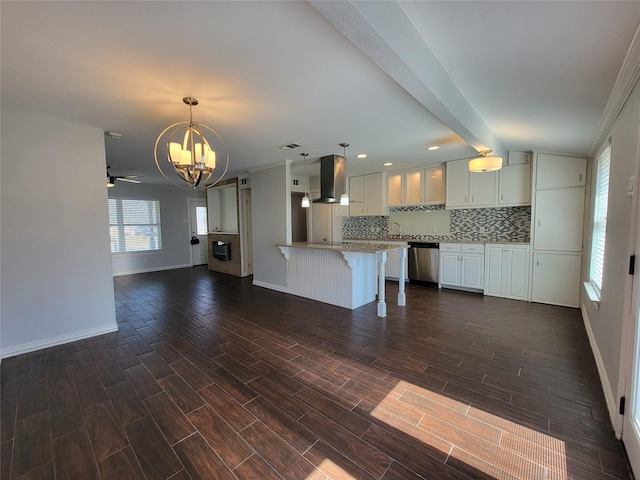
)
(382, 306)
(402, 297)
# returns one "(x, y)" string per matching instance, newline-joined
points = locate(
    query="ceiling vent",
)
(291, 146)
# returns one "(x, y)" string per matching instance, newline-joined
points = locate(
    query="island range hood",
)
(333, 179)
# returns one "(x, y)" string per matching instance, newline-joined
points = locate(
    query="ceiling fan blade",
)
(130, 180)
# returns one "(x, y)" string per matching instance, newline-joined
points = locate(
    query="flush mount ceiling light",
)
(344, 198)
(305, 199)
(433, 148)
(485, 163)
(361, 155)
(193, 160)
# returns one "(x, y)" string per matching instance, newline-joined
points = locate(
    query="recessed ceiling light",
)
(434, 147)
(388, 164)
(361, 155)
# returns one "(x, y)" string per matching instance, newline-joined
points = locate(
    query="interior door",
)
(198, 231)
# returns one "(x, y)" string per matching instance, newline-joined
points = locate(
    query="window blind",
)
(596, 270)
(134, 225)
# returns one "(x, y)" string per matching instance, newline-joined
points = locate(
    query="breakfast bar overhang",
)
(348, 275)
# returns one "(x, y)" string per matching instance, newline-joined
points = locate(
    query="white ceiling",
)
(390, 78)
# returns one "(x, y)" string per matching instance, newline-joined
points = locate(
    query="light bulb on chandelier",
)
(193, 160)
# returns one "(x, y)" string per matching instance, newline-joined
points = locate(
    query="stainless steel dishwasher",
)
(424, 260)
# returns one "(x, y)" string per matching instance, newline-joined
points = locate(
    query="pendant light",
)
(305, 199)
(190, 157)
(485, 163)
(344, 198)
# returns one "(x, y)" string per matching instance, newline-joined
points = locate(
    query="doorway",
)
(198, 231)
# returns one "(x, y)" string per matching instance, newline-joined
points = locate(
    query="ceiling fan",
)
(111, 179)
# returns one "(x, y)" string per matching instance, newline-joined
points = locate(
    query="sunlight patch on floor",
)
(481, 440)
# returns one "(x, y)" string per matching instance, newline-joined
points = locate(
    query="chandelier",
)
(190, 156)
(485, 163)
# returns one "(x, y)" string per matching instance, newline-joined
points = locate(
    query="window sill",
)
(592, 294)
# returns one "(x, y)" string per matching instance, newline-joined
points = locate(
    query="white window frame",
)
(599, 226)
(120, 226)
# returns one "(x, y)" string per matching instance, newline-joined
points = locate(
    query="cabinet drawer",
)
(472, 248)
(450, 247)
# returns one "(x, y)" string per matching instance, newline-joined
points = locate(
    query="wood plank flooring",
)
(210, 377)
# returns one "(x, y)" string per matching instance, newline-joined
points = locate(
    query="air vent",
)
(291, 146)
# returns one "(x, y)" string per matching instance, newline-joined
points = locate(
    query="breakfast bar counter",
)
(348, 274)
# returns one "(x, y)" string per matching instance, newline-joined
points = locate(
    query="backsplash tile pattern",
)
(365, 227)
(506, 224)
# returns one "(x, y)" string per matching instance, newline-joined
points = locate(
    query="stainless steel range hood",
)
(333, 179)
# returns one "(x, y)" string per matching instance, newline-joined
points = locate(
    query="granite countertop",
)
(433, 239)
(355, 247)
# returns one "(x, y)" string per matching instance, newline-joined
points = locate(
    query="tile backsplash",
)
(434, 223)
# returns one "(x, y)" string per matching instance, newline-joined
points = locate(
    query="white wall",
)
(271, 211)
(605, 324)
(174, 219)
(55, 276)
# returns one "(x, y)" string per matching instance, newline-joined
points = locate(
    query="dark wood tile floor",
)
(210, 377)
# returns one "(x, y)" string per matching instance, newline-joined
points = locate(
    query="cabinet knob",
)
(580, 178)
(502, 196)
(538, 222)
(538, 262)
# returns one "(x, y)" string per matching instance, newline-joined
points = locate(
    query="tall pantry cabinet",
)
(559, 196)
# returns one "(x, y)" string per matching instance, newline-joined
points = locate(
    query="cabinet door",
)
(413, 187)
(556, 171)
(516, 273)
(556, 279)
(494, 268)
(434, 186)
(472, 271)
(373, 194)
(515, 185)
(356, 196)
(483, 189)
(394, 189)
(392, 267)
(558, 219)
(457, 183)
(449, 268)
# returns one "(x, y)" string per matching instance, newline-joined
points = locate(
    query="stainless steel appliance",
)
(424, 260)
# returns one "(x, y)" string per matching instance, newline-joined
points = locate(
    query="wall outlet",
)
(481, 229)
(434, 229)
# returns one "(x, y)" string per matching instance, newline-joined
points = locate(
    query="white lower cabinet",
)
(556, 278)
(462, 265)
(393, 265)
(507, 271)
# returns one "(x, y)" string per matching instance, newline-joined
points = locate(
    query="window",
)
(201, 220)
(600, 221)
(134, 225)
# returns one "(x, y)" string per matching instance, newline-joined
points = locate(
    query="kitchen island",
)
(348, 274)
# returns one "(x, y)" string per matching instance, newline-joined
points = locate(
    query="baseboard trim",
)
(270, 286)
(153, 269)
(55, 341)
(610, 398)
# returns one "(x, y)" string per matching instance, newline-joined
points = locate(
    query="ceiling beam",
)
(384, 32)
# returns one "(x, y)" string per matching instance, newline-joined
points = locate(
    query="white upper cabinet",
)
(457, 189)
(483, 189)
(557, 171)
(395, 188)
(365, 195)
(465, 189)
(515, 185)
(422, 186)
(434, 186)
(558, 219)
